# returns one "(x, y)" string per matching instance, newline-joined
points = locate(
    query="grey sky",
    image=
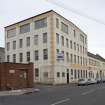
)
(16, 10)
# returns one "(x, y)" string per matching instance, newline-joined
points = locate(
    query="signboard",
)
(60, 56)
(11, 71)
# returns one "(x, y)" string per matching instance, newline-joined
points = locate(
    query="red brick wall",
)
(15, 80)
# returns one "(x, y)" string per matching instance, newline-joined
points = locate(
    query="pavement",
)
(18, 92)
(59, 95)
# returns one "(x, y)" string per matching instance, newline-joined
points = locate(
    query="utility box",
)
(16, 76)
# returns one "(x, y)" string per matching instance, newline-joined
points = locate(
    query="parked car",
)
(103, 80)
(99, 80)
(82, 82)
(91, 81)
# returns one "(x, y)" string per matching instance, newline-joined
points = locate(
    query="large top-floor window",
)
(64, 28)
(41, 23)
(25, 28)
(11, 32)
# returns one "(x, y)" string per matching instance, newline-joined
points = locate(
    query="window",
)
(63, 55)
(36, 39)
(41, 23)
(78, 59)
(21, 57)
(62, 40)
(45, 74)
(78, 74)
(8, 58)
(64, 28)
(57, 23)
(81, 38)
(20, 43)
(81, 60)
(63, 74)
(44, 37)
(14, 45)
(58, 74)
(83, 49)
(75, 74)
(74, 59)
(67, 43)
(36, 55)
(71, 58)
(36, 72)
(11, 33)
(25, 28)
(45, 54)
(71, 46)
(8, 46)
(78, 47)
(81, 74)
(57, 38)
(14, 58)
(28, 56)
(74, 46)
(67, 56)
(28, 41)
(57, 51)
(85, 40)
(71, 71)
(74, 33)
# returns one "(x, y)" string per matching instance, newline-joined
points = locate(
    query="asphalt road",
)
(60, 95)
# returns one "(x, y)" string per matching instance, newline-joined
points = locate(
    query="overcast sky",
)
(16, 10)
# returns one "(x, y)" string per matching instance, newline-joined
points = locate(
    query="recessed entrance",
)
(67, 76)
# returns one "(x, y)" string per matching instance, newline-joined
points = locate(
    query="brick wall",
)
(16, 76)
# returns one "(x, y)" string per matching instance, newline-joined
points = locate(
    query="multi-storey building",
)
(96, 66)
(45, 39)
(2, 54)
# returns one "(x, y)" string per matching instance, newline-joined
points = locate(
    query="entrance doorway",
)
(67, 76)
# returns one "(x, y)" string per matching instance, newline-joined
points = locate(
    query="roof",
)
(97, 56)
(43, 14)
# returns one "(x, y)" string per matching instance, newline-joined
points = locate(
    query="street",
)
(60, 95)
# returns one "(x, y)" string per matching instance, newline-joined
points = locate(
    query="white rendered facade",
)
(47, 68)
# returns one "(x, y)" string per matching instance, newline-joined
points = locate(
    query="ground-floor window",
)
(58, 74)
(63, 74)
(78, 73)
(75, 74)
(71, 71)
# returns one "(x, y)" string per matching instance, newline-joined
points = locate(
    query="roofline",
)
(96, 56)
(43, 14)
(29, 18)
